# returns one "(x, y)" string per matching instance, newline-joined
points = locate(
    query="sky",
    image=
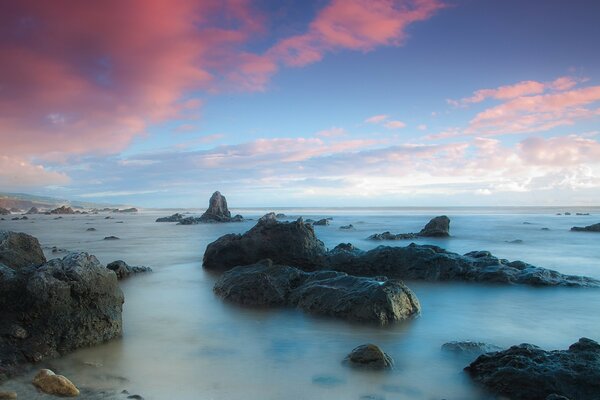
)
(159, 103)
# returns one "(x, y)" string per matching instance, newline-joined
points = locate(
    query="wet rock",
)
(108, 217)
(390, 236)
(589, 228)
(50, 383)
(291, 243)
(217, 210)
(545, 229)
(62, 210)
(347, 227)
(91, 229)
(436, 227)
(173, 218)
(123, 270)
(8, 395)
(369, 356)
(33, 210)
(326, 293)
(19, 250)
(321, 222)
(469, 348)
(526, 372)
(111, 238)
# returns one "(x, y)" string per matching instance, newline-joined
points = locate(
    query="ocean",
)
(182, 342)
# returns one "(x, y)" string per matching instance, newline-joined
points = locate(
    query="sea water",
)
(182, 342)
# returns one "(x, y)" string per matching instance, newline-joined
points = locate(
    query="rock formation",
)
(173, 218)
(326, 293)
(33, 210)
(526, 372)
(369, 356)
(62, 210)
(217, 210)
(321, 222)
(19, 250)
(436, 227)
(589, 228)
(4, 211)
(123, 270)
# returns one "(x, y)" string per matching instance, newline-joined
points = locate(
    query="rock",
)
(57, 307)
(33, 210)
(469, 348)
(567, 213)
(91, 229)
(589, 228)
(291, 243)
(123, 270)
(50, 383)
(19, 250)
(545, 229)
(217, 210)
(173, 218)
(321, 222)
(326, 293)
(436, 227)
(62, 210)
(8, 395)
(369, 356)
(58, 218)
(4, 211)
(280, 215)
(516, 241)
(347, 227)
(57, 250)
(109, 217)
(526, 372)
(111, 238)
(582, 213)
(127, 210)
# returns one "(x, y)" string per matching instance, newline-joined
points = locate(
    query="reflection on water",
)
(180, 341)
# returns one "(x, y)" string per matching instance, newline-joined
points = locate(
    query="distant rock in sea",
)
(91, 229)
(436, 227)
(4, 211)
(111, 238)
(321, 222)
(173, 218)
(347, 227)
(217, 210)
(33, 210)
(326, 293)
(589, 228)
(526, 372)
(470, 349)
(280, 216)
(126, 210)
(123, 270)
(62, 210)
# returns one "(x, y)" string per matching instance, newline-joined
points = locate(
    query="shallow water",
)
(182, 342)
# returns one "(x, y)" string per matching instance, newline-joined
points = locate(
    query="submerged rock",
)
(326, 293)
(589, 228)
(369, 356)
(62, 210)
(50, 383)
(469, 348)
(123, 270)
(217, 210)
(526, 372)
(290, 243)
(436, 227)
(173, 218)
(91, 229)
(347, 227)
(19, 250)
(111, 238)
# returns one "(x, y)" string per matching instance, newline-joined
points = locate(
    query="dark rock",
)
(108, 217)
(516, 241)
(173, 218)
(57, 250)
(58, 218)
(589, 228)
(567, 213)
(111, 238)
(369, 356)
(291, 243)
(469, 348)
(19, 250)
(62, 210)
(582, 213)
(321, 222)
(390, 236)
(4, 211)
(326, 293)
(280, 215)
(436, 227)
(59, 306)
(33, 210)
(123, 270)
(16, 218)
(217, 210)
(545, 229)
(91, 229)
(526, 372)
(347, 227)
(127, 210)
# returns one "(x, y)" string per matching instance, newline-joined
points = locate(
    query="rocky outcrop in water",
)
(288, 243)
(347, 227)
(321, 222)
(173, 218)
(33, 210)
(369, 356)
(126, 210)
(111, 238)
(53, 308)
(295, 244)
(468, 348)
(4, 211)
(217, 210)
(123, 270)
(326, 293)
(526, 372)
(19, 250)
(589, 228)
(62, 210)
(436, 227)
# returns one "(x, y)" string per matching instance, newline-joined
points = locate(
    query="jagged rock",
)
(19, 250)
(50, 383)
(217, 210)
(369, 356)
(173, 218)
(325, 293)
(290, 243)
(123, 270)
(321, 222)
(436, 227)
(55, 308)
(469, 348)
(589, 228)
(33, 210)
(526, 372)
(111, 238)
(62, 210)
(4, 211)
(347, 227)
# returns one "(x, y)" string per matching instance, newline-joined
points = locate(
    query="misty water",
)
(182, 342)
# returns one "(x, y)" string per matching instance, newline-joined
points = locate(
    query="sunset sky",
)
(290, 103)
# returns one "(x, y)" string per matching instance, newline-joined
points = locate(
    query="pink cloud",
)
(560, 151)
(17, 172)
(376, 119)
(394, 124)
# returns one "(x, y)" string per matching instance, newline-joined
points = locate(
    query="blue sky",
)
(332, 103)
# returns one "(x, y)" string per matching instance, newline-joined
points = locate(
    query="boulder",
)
(173, 218)
(19, 250)
(326, 293)
(436, 227)
(369, 356)
(589, 228)
(291, 243)
(217, 210)
(50, 383)
(62, 210)
(123, 270)
(55, 308)
(526, 372)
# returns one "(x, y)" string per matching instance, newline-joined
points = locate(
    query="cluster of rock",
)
(526, 372)
(173, 218)
(326, 293)
(125, 210)
(33, 210)
(62, 210)
(217, 212)
(4, 211)
(589, 228)
(436, 227)
(123, 270)
(295, 244)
